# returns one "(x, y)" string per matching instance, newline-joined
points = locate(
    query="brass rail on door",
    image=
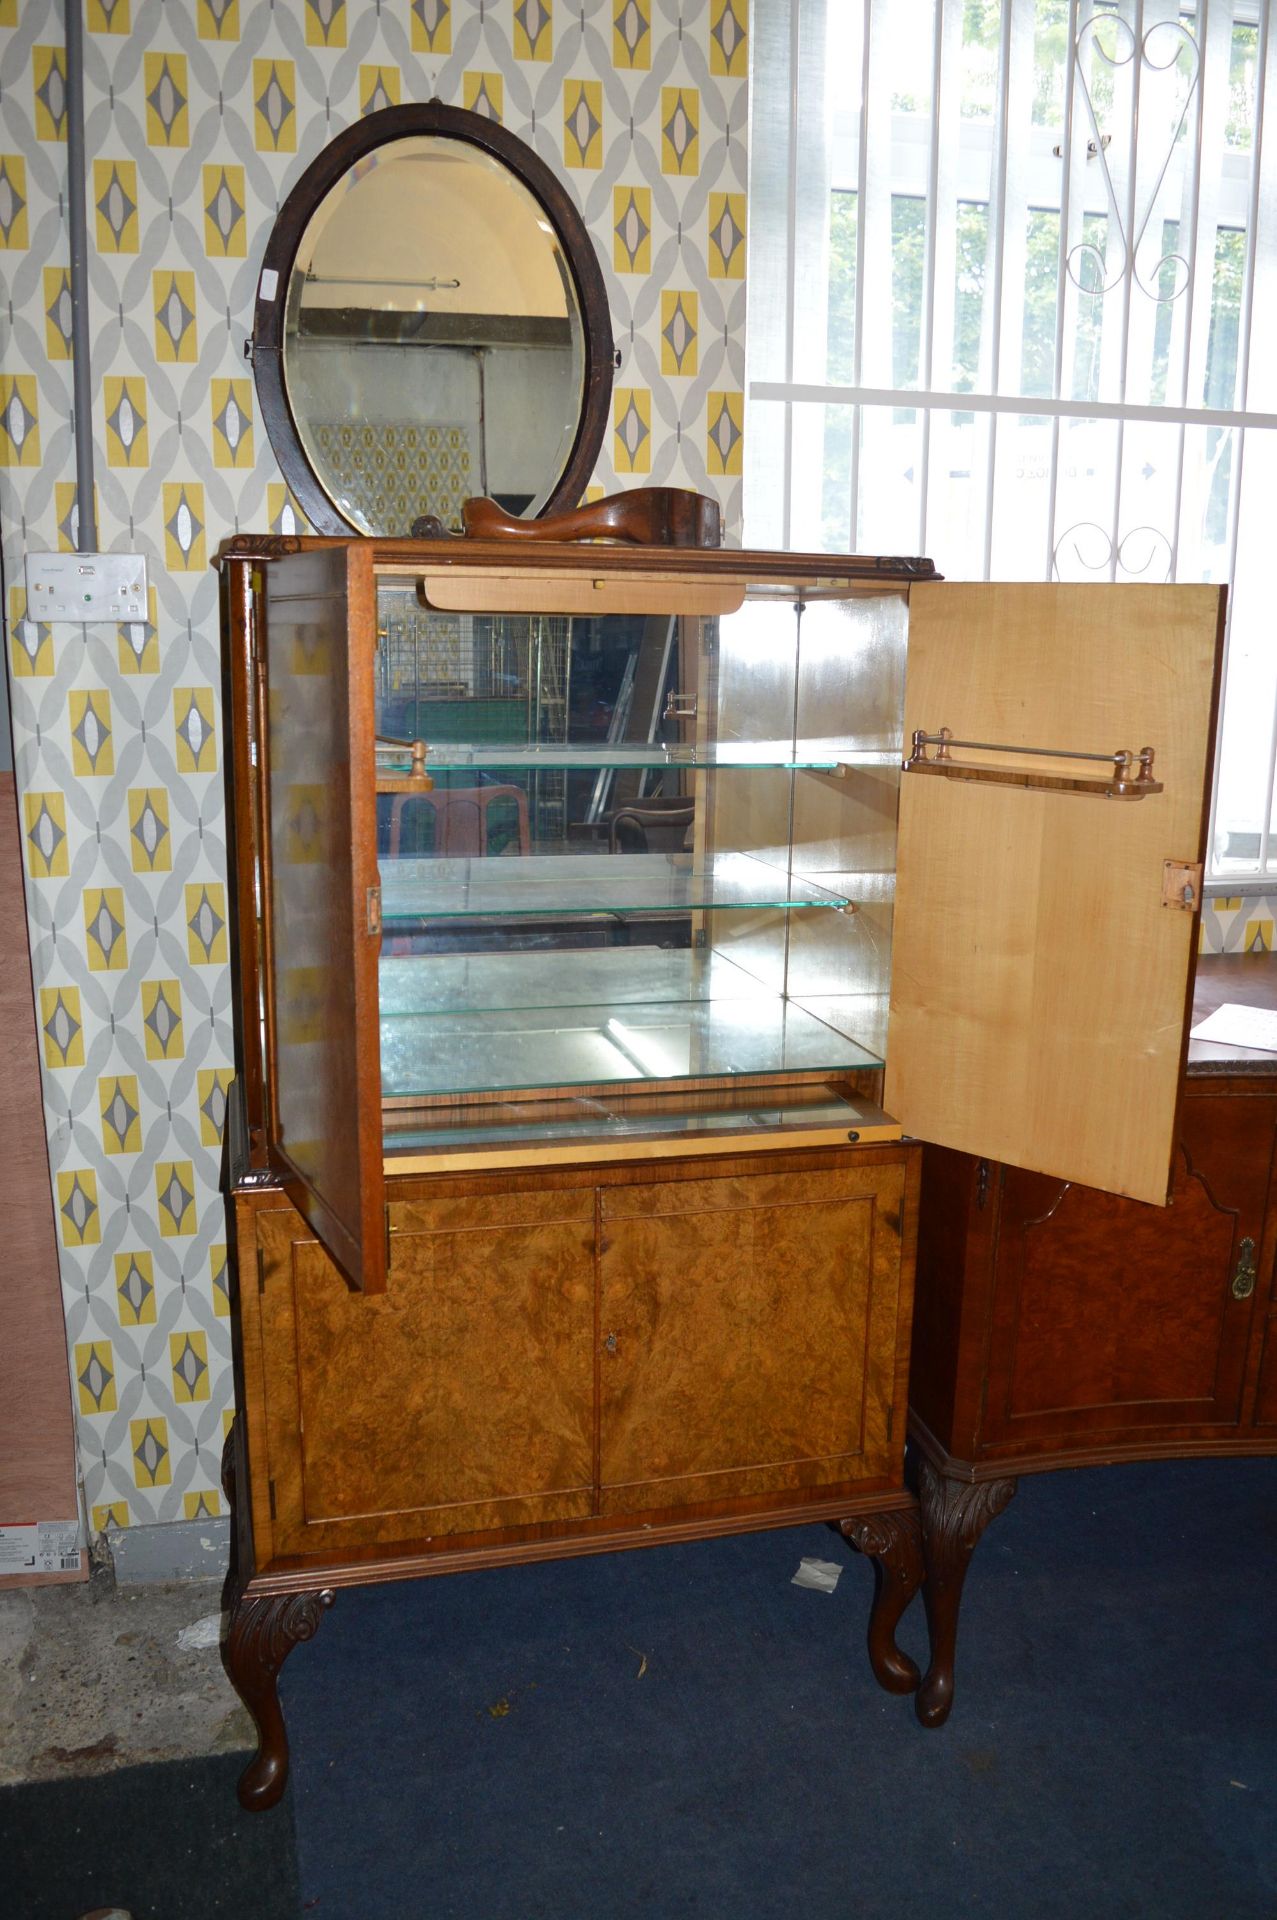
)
(1130, 776)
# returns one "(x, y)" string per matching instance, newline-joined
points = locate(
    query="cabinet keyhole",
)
(1244, 1278)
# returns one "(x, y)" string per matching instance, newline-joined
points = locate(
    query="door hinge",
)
(1182, 885)
(374, 911)
(982, 1184)
(254, 1178)
(270, 1489)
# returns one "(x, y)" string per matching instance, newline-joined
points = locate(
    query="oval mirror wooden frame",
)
(324, 172)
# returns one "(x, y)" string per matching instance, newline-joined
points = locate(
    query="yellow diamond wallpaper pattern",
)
(200, 117)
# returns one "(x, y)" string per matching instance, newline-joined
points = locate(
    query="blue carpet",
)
(681, 1731)
(167, 1841)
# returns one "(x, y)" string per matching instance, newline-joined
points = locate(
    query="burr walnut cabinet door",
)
(322, 917)
(1040, 985)
(748, 1334)
(1108, 1316)
(460, 1399)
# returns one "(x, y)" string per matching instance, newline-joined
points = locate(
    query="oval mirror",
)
(431, 324)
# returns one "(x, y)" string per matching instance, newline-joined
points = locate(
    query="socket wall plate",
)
(86, 586)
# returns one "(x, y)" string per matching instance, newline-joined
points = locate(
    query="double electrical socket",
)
(86, 586)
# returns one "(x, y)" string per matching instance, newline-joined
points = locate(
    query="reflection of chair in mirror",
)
(654, 825)
(460, 819)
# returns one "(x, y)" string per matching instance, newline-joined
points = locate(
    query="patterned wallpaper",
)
(200, 114)
(1238, 923)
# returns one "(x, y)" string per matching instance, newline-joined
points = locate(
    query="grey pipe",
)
(77, 221)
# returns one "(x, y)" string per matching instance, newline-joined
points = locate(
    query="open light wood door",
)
(1040, 985)
(323, 902)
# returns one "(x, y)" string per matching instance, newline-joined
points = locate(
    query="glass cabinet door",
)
(320, 912)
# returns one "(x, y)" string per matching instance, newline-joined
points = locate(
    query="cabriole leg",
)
(893, 1541)
(264, 1630)
(954, 1515)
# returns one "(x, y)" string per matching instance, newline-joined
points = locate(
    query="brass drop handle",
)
(1244, 1278)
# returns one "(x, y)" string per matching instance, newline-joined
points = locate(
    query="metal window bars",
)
(1049, 233)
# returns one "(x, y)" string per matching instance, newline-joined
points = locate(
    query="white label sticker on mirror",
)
(269, 284)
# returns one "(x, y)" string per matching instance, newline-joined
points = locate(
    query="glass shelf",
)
(599, 1121)
(865, 1015)
(612, 978)
(554, 885)
(545, 757)
(581, 1045)
(447, 983)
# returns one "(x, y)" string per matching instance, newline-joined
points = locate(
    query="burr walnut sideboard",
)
(1057, 1326)
(571, 1203)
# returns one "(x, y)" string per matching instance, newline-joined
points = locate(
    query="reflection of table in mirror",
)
(1056, 1326)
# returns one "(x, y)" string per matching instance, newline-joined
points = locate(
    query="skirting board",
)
(179, 1550)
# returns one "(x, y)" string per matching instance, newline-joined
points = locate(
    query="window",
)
(1012, 304)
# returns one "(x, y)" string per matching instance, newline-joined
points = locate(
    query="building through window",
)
(1013, 294)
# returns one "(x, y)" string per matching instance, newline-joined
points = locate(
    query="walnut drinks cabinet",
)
(599, 969)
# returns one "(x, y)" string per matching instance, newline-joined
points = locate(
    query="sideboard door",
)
(1107, 1319)
(459, 1402)
(753, 1332)
(1040, 985)
(322, 908)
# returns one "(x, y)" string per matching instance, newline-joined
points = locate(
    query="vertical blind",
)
(1013, 304)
